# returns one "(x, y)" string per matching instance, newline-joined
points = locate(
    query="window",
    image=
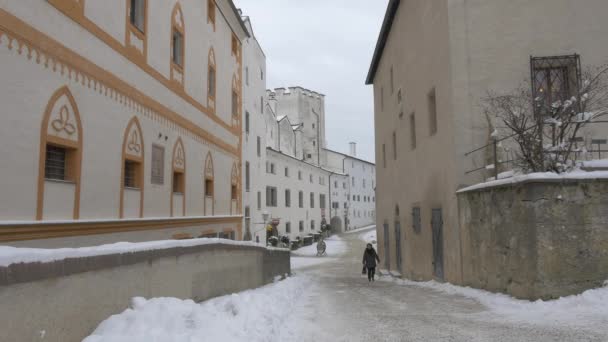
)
(312, 225)
(247, 122)
(335, 184)
(288, 227)
(259, 146)
(301, 226)
(247, 75)
(392, 81)
(395, 145)
(235, 103)
(234, 192)
(299, 175)
(554, 79)
(158, 165)
(312, 200)
(432, 103)
(247, 176)
(364, 183)
(211, 12)
(413, 130)
(56, 163)
(399, 97)
(247, 219)
(178, 48)
(286, 172)
(209, 187)
(178, 182)
(311, 177)
(211, 81)
(137, 14)
(131, 174)
(288, 198)
(384, 155)
(259, 200)
(261, 74)
(272, 170)
(262, 104)
(353, 181)
(313, 126)
(345, 205)
(416, 220)
(343, 185)
(322, 201)
(271, 196)
(301, 199)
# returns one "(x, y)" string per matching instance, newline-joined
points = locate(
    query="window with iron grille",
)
(130, 174)
(554, 79)
(137, 14)
(158, 165)
(55, 163)
(416, 220)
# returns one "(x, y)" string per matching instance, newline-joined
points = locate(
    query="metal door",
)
(387, 253)
(437, 227)
(398, 245)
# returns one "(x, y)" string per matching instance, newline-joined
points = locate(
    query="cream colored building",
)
(433, 63)
(121, 120)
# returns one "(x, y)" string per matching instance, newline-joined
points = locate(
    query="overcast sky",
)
(325, 46)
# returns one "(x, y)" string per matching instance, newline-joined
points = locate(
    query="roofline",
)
(299, 160)
(240, 19)
(387, 24)
(349, 156)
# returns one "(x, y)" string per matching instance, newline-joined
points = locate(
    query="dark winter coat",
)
(370, 257)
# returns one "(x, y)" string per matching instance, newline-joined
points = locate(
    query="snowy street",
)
(332, 301)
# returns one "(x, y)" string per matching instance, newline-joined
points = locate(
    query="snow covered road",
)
(331, 301)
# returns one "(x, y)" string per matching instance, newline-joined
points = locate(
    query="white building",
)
(121, 120)
(302, 179)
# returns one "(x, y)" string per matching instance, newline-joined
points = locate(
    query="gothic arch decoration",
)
(236, 100)
(61, 127)
(136, 38)
(178, 27)
(234, 190)
(211, 80)
(209, 180)
(133, 151)
(178, 175)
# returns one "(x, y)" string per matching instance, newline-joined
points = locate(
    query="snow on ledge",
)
(14, 255)
(540, 176)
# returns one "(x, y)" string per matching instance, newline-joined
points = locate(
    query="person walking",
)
(370, 257)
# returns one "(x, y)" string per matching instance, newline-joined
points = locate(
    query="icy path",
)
(331, 302)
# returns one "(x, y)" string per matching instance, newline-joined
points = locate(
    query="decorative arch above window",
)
(236, 99)
(132, 165)
(136, 29)
(178, 180)
(209, 185)
(211, 13)
(211, 80)
(178, 42)
(60, 154)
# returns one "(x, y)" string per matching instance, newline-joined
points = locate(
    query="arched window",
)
(60, 159)
(132, 180)
(209, 207)
(136, 32)
(211, 80)
(178, 39)
(234, 190)
(178, 181)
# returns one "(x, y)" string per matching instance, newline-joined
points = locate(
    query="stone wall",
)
(537, 238)
(64, 301)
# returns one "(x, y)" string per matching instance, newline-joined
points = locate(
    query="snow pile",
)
(14, 255)
(307, 256)
(596, 164)
(587, 309)
(255, 315)
(576, 174)
(369, 237)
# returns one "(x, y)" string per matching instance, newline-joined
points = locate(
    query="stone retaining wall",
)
(537, 238)
(64, 301)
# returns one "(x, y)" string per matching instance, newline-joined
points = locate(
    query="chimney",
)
(353, 149)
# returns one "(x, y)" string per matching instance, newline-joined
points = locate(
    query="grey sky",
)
(326, 46)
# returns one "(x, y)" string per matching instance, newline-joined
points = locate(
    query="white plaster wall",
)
(107, 17)
(28, 86)
(59, 200)
(131, 203)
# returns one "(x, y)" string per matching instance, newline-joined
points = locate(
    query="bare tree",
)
(545, 133)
